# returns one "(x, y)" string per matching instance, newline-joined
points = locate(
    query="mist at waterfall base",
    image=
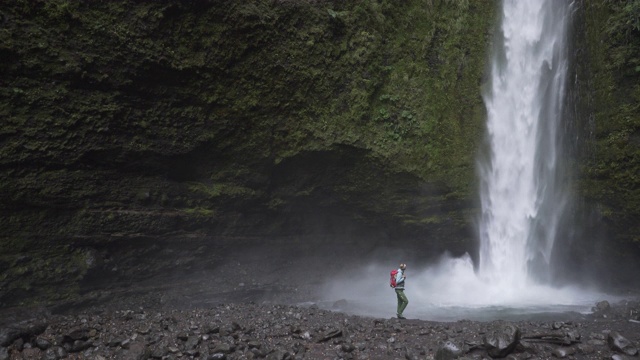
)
(450, 290)
(524, 193)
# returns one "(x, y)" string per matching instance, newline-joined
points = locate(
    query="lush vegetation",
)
(162, 119)
(611, 166)
(130, 123)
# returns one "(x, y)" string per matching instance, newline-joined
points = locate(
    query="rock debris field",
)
(277, 332)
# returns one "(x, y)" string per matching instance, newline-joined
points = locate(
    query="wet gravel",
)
(144, 327)
(250, 316)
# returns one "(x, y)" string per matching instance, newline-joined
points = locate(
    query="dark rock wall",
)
(606, 93)
(131, 130)
(135, 134)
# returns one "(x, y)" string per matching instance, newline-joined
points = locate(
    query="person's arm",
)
(399, 277)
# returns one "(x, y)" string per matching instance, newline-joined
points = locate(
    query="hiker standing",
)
(402, 298)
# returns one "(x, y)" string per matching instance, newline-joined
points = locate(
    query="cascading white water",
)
(521, 194)
(524, 191)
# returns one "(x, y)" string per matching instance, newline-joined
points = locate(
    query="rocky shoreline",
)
(250, 330)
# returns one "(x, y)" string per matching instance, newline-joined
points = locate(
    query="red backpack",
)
(392, 281)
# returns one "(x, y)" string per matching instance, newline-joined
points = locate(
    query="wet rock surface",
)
(138, 327)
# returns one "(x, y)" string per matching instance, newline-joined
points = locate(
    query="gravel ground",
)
(144, 326)
(249, 315)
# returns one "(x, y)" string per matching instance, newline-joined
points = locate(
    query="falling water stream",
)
(522, 195)
(523, 188)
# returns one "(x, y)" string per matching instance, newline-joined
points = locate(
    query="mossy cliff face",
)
(608, 65)
(152, 125)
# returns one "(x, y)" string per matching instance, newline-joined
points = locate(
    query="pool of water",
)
(386, 308)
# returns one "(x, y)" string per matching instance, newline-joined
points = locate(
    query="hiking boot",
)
(401, 317)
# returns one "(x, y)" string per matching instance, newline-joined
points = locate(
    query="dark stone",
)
(26, 329)
(236, 327)
(347, 347)
(192, 342)
(448, 351)
(340, 304)
(137, 351)
(596, 342)
(602, 306)
(211, 329)
(226, 330)
(193, 353)
(330, 334)
(42, 344)
(32, 353)
(563, 352)
(217, 356)
(80, 345)
(277, 355)
(259, 353)
(4, 353)
(80, 334)
(586, 349)
(54, 353)
(223, 348)
(502, 341)
(159, 353)
(572, 336)
(619, 343)
(8, 336)
(113, 342)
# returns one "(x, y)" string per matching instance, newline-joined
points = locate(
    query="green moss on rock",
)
(125, 121)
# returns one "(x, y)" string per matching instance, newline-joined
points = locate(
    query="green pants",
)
(402, 301)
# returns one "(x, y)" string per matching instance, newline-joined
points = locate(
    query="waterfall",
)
(522, 191)
(524, 188)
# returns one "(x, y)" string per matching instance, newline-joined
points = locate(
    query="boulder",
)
(502, 340)
(340, 304)
(8, 335)
(572, 336)
(602, 306)
(563, 352)
(24, 329)
(42, 344)
(619, 343)
(448, 351)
